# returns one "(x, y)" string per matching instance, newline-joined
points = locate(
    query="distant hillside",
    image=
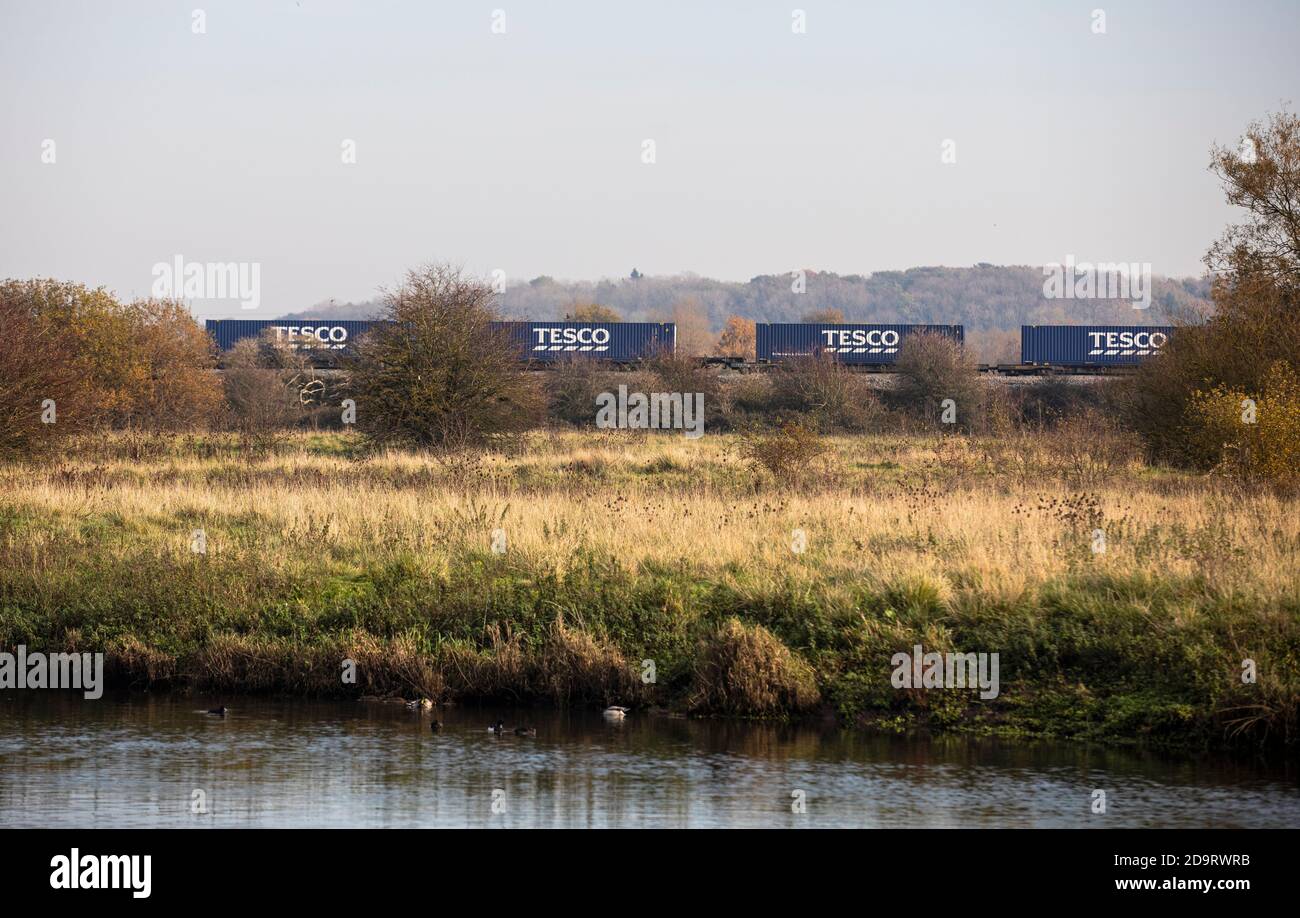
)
(991, 301)
(981, 298)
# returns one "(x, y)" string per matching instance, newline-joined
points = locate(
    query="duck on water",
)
(499, 728)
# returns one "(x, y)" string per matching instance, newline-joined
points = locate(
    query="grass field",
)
(621, 548)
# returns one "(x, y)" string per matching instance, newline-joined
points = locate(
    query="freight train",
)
(543, 342)
(865, 346)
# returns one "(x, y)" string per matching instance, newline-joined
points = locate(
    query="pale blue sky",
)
(522, 151)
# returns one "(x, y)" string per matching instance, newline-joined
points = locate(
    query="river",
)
(158, 760)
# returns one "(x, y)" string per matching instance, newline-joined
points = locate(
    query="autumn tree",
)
(695, 336)
(1254, 334)
(42, 393)
(144, 365)
(824, 316)
(170, 363)
(737, 338)
(591, 312)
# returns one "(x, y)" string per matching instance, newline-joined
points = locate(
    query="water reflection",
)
(137, 760)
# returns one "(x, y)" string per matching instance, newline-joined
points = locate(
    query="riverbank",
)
(570, 568)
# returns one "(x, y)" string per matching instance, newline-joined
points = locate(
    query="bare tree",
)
(1262, 176)
(695, 337)
(438, 373)
(269, 387)
(932, 368)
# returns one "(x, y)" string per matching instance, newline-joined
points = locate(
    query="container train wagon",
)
(302, 334)
(1102, 346)
(611, 342)
(541, 342)
(854, 344)
(1085, 349)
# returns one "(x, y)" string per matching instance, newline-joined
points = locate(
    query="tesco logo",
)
(1127, 339)
(326, 334)
(571, 336)
(861, 337)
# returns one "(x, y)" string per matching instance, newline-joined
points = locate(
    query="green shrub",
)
(1255, 437)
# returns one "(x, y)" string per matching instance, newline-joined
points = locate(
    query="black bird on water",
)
(219, 712)
(435, 725)
(498, 728)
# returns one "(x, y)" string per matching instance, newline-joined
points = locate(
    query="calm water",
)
(136, 761)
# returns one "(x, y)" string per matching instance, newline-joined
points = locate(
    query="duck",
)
(525, 731)
(615, 712)
(219, 712)
(435, 726)
(420, 704)
(498, 728)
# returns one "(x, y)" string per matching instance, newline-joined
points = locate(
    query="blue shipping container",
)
(1091, 345)
(852, 343)
(619, 342)
(321, 335)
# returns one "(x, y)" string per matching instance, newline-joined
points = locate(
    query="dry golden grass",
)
(949, 511)
(750, 596)
(745, 669)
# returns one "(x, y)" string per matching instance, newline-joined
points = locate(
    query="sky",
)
(510, 136)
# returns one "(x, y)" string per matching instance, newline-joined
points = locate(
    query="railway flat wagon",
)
(1091, 345)
(322, 336)
(613, 342)
(858, 344)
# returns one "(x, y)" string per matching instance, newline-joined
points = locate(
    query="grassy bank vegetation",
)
(622, 547)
